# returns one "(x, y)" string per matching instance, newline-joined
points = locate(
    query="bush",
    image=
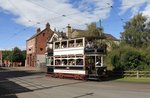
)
(128, 58)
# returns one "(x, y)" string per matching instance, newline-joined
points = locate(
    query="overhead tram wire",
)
(103, 8)
(9, 1)
(66, 16)
(53, 11)
(120, 18)
(36, 23)
(19, 10)
(24, 16)
(60, 15)
(48, 20)
(114, 8)
(48, 10)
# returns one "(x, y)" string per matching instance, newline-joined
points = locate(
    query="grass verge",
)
(132, 79)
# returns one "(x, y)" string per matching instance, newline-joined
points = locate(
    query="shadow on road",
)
(84, 95)
(8, 89)
(112, 76)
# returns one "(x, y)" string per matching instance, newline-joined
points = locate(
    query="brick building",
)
(35, 46)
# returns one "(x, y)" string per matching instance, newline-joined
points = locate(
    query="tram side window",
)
(79, 62)
(64, 62)
(64, 44)
(71, 43)
(57, 45)
(57, 62)
(79, 42)
(71, 62)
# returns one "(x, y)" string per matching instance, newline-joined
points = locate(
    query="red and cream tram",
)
(78, 58)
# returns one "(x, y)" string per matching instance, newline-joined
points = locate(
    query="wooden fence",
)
(136, 74)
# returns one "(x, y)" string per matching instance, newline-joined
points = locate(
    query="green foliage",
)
(16, 55)
(136, 31)
(134, 51)
(92, 30)
(128, 58)
(7, 55)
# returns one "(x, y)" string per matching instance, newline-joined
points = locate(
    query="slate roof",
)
(36, 34)
(108, 36)
(78, 30)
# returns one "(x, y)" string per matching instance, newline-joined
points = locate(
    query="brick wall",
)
(36, 45)
(41, 40)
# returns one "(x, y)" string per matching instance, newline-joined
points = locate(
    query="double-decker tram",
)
(78, 58)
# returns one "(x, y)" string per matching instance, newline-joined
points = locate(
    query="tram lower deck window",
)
(79, 62)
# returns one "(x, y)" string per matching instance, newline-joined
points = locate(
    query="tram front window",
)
(91, 64)
(98, 61)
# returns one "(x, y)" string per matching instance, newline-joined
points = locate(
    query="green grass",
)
(132, 79)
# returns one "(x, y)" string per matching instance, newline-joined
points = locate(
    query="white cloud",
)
(31, 12)
(134, 6)
(147, 11)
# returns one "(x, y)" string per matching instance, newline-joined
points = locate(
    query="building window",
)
(43, 34)
(41, 49)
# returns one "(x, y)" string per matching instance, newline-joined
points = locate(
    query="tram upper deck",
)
(79, 46)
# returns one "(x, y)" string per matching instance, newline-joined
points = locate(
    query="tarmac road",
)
(27, 84)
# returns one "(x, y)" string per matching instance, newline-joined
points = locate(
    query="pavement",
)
(27, 83)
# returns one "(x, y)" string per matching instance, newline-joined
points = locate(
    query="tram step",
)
(94, 75)
(92, 78)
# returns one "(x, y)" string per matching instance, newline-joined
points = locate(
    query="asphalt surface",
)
(17, 83)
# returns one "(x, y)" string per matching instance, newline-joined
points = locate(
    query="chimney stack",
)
(48, 25)
(38, 30)
(68, 31)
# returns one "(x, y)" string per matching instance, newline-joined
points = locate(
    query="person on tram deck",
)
(90, 45)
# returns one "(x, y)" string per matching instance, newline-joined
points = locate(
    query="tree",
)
(136, 31)
(93, 31)
(7, 55)
(17, 55)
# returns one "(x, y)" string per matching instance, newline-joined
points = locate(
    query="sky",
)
(19, 19)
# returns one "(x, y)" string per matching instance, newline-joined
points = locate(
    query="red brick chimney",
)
(48, 25)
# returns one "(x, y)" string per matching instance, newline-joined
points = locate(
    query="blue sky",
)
(19, 21)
